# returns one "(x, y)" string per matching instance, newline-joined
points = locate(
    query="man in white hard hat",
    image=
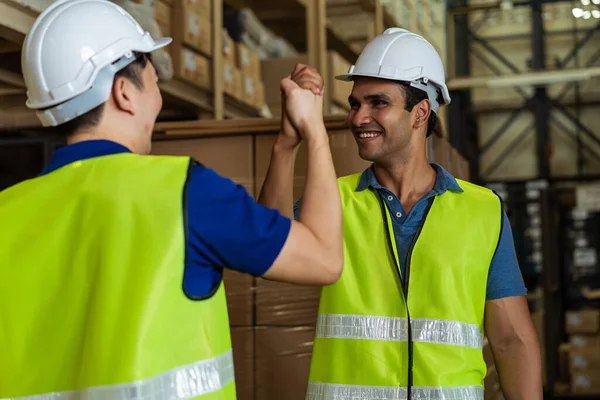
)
(430, 265)
(111, 261)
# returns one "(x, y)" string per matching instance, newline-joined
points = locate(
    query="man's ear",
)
(421, 113)
(123, 95)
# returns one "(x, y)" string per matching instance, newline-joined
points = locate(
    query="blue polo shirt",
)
(227, 228)
(504, 277)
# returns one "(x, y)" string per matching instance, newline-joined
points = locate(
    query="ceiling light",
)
(596, 13)
(585, 2)
(587, 14)
(577, 12)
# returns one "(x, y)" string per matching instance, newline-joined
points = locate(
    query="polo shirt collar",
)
(444, 180)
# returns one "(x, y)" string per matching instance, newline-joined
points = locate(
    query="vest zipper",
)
(404, 282)
(408, 259)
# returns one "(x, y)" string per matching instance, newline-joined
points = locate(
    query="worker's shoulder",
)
(135, 164)
(478, 191)
(351, 180)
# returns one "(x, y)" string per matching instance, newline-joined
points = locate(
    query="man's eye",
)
(378, 103)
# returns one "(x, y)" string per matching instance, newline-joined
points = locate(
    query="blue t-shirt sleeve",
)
(228, 228)
(504, 277)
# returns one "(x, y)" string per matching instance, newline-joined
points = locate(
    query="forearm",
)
(520, 369)
(278, 188)
(321, 205)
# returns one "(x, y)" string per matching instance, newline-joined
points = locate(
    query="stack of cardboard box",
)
(253, 89)
(241, 73)
(441, 152)
(583, 328)
(273, 70)
(232, 75)
(163, 12)
(340, 90)
(272, 330)
(191, 29)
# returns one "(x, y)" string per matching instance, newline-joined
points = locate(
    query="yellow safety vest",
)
(378, 337)
(92, 303)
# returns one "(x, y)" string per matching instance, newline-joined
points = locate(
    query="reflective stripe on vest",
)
(346, 326)
(324, 391)
(186, 382)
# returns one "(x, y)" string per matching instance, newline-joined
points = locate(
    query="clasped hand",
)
(302, 105)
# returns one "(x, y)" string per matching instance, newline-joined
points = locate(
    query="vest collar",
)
(81, 151)
(444, 180)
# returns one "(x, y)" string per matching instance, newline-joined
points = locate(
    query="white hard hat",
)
(401, 55)
(72, 52)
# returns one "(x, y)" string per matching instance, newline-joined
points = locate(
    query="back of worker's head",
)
(86, 63)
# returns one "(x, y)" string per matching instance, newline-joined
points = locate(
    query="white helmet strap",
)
(88, 100)
(432, 92)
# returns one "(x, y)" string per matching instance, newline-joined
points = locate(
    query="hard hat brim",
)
(162, 42)
(350, 77)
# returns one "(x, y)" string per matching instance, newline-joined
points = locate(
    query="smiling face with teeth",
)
(386, 133)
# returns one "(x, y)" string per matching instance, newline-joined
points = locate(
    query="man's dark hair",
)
(414, 96)
(132, 72)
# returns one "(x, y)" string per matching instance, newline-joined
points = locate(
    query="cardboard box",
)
(577, 341)
(276, 69)
(253, 91)
(259, 99)
(242, 341)
(583, 321)
(231, 156)
(442, 152)
(583, 359)
(264, 145)
(232, 80)
(193, 68)
(240, 299)
(197, 32)
(340, 90)
(228, 48)
(247, 61)
(272, 72)
(283, 362)
(338, 110)
(586, 382)
(201, 7)
(460, 166)
(284, 304)
(162, 14)
(344, 152)
(343, 149)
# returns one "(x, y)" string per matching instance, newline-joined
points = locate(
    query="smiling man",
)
(430, 265)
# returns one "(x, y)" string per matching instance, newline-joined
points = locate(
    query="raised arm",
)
(278, 188)
(313, 251)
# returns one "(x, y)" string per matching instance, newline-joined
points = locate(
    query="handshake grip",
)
(302, 103)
